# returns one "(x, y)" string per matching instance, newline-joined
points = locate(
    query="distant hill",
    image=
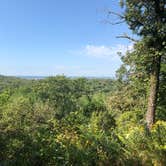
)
(11, 82)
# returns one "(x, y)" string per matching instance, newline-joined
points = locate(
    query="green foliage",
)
(62, 121)
(11, 83)
(147, 19)
(90, 121)
(143, 147)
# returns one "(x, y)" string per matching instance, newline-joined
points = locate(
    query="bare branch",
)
(113, 23)
(127, 37)
(116, 14)
(121, 18)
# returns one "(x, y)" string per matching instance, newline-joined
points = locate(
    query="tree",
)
(147, 19)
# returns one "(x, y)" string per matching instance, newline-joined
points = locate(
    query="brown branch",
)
(121, 18)
(116, 14)
(127, 37)
(113, 23)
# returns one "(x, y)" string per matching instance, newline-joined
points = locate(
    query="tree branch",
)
(127, 37)
(121, 18)
(113, 23)
(116, 14)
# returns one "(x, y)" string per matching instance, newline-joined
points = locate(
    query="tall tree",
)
(147, 19)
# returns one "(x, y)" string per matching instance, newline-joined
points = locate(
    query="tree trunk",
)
(153, 93)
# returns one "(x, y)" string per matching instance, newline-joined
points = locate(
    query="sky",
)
(55, 37)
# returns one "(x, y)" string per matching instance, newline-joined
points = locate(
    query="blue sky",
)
(50, 37)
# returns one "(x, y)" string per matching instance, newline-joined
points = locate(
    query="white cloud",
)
(105, 51)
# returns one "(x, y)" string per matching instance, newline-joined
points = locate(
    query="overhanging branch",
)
(113, 23)
(116, 14)
(127, 37)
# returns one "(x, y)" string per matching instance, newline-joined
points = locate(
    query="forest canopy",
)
(94, 121)
(78, 121)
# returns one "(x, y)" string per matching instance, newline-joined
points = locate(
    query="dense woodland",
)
(87, 122)
(79, 121)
